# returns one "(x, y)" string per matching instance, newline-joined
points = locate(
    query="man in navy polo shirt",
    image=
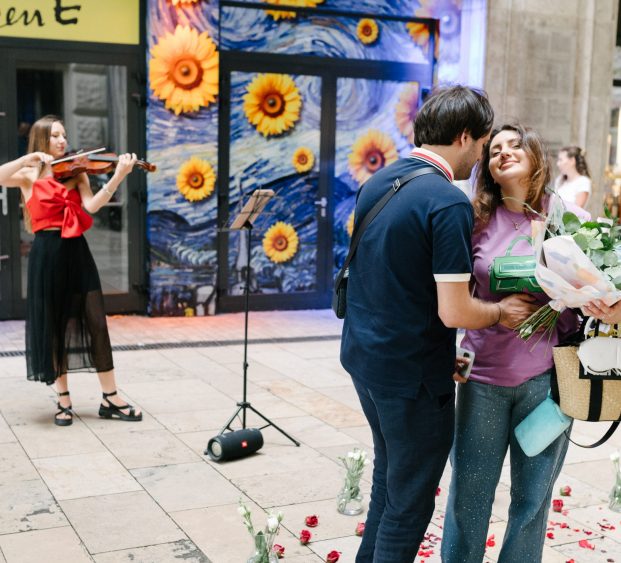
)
(407, 291)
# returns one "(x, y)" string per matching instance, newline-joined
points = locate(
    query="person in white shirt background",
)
(574, 182)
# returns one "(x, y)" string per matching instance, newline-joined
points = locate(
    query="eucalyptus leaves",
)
(600, 241)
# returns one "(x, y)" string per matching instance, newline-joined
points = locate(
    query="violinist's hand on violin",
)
(125, 165)
(36, 159)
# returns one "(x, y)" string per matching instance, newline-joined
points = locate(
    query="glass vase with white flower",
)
(349, 500)
(615, 493)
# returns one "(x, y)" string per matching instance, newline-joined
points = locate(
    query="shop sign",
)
(99, 21)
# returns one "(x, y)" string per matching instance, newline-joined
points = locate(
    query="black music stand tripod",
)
(244, 221)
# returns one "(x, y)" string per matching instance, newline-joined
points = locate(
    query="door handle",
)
(322, 203)
(4, 201)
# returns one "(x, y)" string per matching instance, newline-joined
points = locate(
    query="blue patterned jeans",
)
(486, 417)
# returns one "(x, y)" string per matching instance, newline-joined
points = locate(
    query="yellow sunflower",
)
(419, 33)
(303, 159)
(184, 70)
(196, 179)
(272, 103)
(280, 14)
(405, 110)
(349, 226)
(369, 153)
(367, 31)
(280, 242)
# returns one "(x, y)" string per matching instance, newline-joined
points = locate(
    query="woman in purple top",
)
(510, 377)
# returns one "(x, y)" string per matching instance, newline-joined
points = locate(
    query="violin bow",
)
(78, 155)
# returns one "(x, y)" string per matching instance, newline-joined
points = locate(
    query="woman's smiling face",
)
(58, 140)
(507, 158)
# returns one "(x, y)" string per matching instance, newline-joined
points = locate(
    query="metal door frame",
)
(329, 70)
(16, 51)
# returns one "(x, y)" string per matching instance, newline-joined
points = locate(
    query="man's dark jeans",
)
(412, 439)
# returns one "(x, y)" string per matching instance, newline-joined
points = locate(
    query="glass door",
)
(274, 132)
(93, 100)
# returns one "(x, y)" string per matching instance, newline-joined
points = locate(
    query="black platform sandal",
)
(63, 410)
(114, 411)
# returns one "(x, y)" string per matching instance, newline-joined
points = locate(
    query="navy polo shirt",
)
(393, 339)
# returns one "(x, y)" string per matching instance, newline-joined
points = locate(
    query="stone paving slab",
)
(109, 491)
(121, 521)
(28, 505)
(55, 545)
(183, 550)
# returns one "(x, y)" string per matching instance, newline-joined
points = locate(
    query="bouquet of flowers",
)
(577, 262)
(263, 539)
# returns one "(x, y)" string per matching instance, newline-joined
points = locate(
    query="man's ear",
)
(462, 139)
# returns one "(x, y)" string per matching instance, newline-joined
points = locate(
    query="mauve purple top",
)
(501, 357)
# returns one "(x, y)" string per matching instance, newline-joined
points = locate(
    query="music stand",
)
(245, 221)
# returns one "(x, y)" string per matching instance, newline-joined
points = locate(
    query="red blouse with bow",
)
(53, 205)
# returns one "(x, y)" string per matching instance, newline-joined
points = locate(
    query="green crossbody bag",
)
(513, 274)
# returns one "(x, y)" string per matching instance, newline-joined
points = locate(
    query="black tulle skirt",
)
(66, 326)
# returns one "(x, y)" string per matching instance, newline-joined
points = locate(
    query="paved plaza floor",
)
(111, 491)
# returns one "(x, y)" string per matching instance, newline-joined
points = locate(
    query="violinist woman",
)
(66, 326)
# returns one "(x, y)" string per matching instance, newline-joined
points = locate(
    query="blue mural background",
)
(182, 234)
(259, 162)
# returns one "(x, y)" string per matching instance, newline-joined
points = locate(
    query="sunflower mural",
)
(349, 226)
(419, 32)
(272, 103)
(406, 109)
(287, 15)
(280, 242)
(196, 179)
(183, 70)
(367, 31)
(183, 2)
(303, 159)
(369, 153)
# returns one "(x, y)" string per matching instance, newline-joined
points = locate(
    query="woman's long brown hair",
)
(488, 196)
(38, 141)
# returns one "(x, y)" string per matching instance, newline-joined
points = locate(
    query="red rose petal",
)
(585, 544)
(491, 541)
(333, 556)
(305, 537)
(312, 521)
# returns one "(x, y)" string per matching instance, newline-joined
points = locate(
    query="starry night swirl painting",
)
(274, 135)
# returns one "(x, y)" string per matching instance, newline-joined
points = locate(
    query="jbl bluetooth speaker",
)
(234, 445)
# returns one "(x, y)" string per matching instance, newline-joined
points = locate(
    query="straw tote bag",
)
(585, 393)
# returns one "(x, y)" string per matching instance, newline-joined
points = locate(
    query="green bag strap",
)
(517, 239)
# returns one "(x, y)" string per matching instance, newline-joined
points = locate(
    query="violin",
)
(91, 162)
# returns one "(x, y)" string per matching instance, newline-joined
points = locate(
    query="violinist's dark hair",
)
(577, 154)
(38, 141)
